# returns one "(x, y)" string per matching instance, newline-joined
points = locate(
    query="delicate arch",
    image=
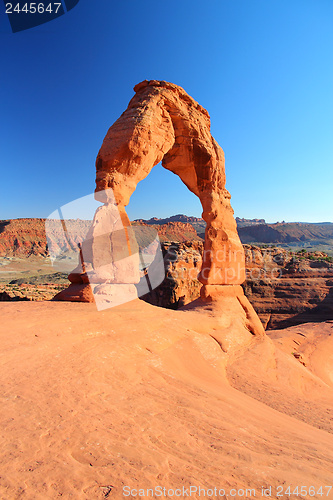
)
(163, 123)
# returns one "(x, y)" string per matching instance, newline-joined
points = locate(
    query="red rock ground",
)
(141, 396)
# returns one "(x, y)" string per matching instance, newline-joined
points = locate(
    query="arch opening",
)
(162, 195)
(164, 124)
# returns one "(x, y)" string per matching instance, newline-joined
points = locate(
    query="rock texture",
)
(162, 123)
(285, 288)
(109, 261)
(22, 237)
(36, 293)
(289, 288)
(181, 285)
(145, 397)
(27, 238)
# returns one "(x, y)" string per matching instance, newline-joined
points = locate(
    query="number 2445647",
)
(33, 8)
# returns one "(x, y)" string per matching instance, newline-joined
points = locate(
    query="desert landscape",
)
(217, 383)
(287, 284)
(139, 397)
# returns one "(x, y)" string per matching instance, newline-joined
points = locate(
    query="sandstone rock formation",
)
(284, 288)
(24, 238)
(144, 396)
(163, 123)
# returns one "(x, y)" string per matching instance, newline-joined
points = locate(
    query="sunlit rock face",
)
(163, 123)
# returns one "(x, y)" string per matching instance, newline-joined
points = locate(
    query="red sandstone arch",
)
(163, 123)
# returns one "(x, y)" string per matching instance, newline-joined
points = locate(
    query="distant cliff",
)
(291, 232)
(25, 237)
(257, 231)
(22, 237)
(249, 222)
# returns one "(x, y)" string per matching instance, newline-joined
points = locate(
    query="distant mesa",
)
(257, 231)
(173, 218)
(249, 222)
(288, 232)
(26, 237)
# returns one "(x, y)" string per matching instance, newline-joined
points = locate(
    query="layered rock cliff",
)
(23, 237)
(285, 288)
(27, 237)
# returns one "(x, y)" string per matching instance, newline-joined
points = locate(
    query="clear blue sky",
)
(262, 68)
